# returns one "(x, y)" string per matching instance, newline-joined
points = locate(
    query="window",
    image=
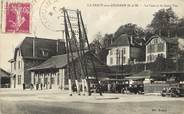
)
(117, 56)
(15, 65)
(154, 48)
(111, 52)
(148, 49)
(111, 60)
(117, 51)
(148, 59)
(19, 64)
(151, 58)
(19, 79)
(118, 60)
(124, 51)
(151, 48)
(160, 47)
(155, 41)
(57, 79)
(124, 60)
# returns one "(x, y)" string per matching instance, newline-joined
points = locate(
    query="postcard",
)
(91, 56)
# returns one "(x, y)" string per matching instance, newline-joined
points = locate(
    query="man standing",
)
(24, 86)
(37, 85)
(41, 86)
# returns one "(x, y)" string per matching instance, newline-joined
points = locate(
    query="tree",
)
(100, 45)
(180, 27)
(101, 41)
(96, 43)
(129, 29)
(164, 22)
(107, 40)
(148, 33)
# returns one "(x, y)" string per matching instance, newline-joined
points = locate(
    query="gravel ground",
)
(59, 102)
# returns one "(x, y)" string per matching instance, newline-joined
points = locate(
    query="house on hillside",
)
(162, 46)
(52, 74)
(125, 50)
(32, 52)
(4, 79)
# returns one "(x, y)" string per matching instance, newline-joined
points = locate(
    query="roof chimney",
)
(57, 46)
(34, 47)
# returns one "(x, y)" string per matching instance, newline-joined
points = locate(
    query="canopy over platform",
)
(179, 76)
(135, 78)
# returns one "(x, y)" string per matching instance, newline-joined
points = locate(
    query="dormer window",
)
(45, 52)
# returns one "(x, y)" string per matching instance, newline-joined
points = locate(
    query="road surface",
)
(59, 102)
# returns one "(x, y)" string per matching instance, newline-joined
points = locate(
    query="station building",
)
(52, 73)
(29, 53)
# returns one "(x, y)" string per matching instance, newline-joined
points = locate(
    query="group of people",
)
(122, 88)
(97, 87)
(38, 86)
(113, 87)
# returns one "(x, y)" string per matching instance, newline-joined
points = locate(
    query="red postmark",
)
(18, 17)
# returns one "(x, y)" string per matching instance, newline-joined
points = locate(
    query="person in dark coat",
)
(74, 88)
(100, 88)
(24, 86)
(41, 86)
(37, 86)
(32, 86)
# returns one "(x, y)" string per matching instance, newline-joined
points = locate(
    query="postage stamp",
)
(17, 17)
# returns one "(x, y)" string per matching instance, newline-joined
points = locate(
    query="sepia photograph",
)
(91, 57)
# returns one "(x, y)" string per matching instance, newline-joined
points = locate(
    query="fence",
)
(154, 88)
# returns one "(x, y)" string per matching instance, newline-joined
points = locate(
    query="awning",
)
(115, 79)
(135, 78)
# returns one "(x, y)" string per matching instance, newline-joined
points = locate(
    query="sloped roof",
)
(4, 73)
(144, 73)
(125, 40)
(122, 40)
(59, 61)
(26, 47)
(141, 75)
(173, 40)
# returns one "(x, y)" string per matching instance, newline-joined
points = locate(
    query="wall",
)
(22, 66)
(154, 49)
(50, 78)
(137, 53)
(29, 63)
(17, 70)
(155, 88)
(113, 54)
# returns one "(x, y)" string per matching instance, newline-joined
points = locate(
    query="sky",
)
(104, 16)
